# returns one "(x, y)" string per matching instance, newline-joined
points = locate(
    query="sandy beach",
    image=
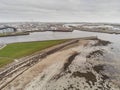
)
(84, 66)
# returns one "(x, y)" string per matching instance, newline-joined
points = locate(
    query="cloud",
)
(60, 10)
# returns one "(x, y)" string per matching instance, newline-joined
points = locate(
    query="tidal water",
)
(40, 36)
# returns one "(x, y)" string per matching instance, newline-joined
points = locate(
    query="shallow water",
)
(40, 36)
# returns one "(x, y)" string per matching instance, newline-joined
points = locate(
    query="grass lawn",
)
(18, 50)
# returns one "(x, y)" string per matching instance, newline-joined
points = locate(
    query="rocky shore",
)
(85, 65)
(82, 67)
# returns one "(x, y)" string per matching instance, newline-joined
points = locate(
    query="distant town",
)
(22, 28)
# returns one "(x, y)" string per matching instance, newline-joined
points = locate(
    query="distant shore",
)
(102, 31)
(86, 30)
(15, 34)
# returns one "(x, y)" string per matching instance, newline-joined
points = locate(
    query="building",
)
(4, 30)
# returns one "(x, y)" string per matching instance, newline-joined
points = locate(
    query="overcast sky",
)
(60, 10)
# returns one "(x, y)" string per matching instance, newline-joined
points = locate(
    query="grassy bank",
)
(19, 50)
(14, 34)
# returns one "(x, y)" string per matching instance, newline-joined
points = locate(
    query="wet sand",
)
(87, 65)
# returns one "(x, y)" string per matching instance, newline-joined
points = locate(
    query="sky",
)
(60, 10)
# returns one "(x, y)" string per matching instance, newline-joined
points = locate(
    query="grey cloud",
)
(60, 10)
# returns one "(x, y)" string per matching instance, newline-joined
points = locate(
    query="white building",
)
(7, 30)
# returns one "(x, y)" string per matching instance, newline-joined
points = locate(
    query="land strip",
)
(30, 61)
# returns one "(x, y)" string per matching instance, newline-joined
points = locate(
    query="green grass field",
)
(19, 50)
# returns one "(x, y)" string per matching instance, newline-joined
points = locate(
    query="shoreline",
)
(86, 58)
(30, 60)
(108, 32)
(15, 34)
(86, 30)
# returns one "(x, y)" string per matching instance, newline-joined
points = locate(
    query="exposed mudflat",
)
(88, 65)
